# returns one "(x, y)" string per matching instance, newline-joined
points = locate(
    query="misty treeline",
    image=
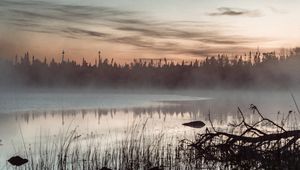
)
(255, 69)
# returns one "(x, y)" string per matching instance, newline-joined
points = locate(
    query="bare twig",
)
(293, 97)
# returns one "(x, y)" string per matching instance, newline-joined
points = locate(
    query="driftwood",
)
(249, 146)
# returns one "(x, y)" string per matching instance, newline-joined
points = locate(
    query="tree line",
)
(255, 69)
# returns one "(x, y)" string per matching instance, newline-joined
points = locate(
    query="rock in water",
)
(17, 161)
(194, 124)
(105, 168)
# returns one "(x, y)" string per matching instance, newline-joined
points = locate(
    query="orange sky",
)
(127, 29)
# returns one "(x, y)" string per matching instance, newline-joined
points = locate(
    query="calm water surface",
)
(34, 115)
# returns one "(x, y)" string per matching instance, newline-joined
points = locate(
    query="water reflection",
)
(109, 123)
(170, 114)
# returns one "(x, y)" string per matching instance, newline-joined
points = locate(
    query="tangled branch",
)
(250, 147)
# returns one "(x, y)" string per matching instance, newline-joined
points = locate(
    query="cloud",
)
(121, 26)
(277, 11)
(83, 32)
(226, 11)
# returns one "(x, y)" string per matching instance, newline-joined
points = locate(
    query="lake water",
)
(27, 116)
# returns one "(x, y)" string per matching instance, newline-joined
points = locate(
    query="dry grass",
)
(137, 149)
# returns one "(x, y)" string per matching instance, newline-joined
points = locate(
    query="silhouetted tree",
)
(256, 69)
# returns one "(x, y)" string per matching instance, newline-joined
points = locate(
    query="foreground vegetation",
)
(257, 144)
(135, 150)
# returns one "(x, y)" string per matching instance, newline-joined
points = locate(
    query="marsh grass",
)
(137, 148)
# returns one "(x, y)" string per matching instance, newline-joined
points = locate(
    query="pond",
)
(29, 118)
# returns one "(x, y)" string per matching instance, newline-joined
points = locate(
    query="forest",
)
(255, 69)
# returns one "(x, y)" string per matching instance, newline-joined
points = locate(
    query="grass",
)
(136, 149)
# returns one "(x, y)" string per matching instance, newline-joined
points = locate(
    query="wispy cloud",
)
(277, 10)
(226, 11)
(124, 27)
(83, 32)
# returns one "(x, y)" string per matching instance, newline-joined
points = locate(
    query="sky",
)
(127, 29)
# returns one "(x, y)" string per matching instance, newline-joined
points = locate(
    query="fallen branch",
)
(252, 147)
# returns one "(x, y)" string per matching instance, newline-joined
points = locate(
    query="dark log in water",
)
(194, 124)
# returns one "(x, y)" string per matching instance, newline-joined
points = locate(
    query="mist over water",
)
(20, 100)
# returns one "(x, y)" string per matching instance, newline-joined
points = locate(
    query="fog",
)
(218, 100)
(252, 71)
